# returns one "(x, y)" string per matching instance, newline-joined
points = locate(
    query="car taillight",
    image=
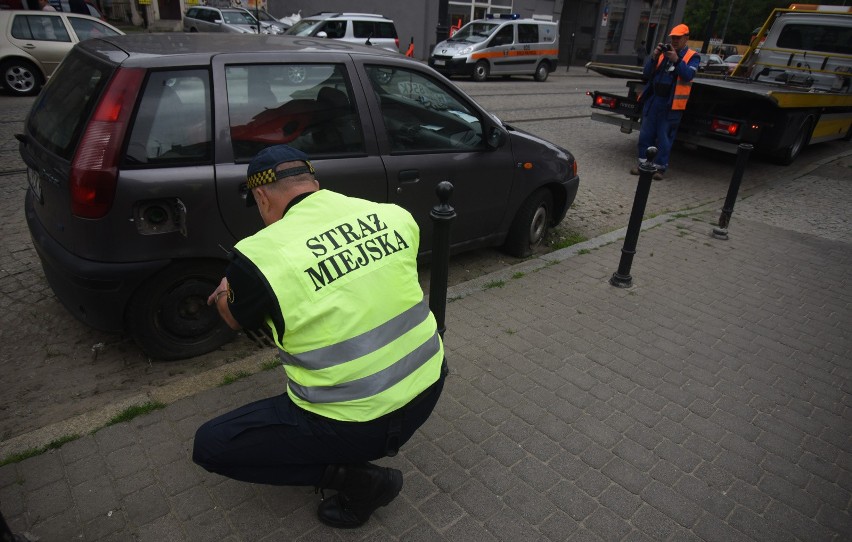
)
(94, 169)
(604, 101)
(725, 127)
(396, 41)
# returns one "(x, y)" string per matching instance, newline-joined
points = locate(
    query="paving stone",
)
(572, 500)
(574, 411)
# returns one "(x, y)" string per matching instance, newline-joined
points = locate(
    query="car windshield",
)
(237, 17)
(734, 58)
(303, 27)
(264, 16)
(260, 14)
(474, 32)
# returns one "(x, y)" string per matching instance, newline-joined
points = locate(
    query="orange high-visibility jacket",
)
(682, 88)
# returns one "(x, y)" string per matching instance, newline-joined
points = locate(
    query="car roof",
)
(140, 47)
(339, 15)
(10, 12)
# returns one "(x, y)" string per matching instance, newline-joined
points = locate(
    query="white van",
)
(505, 46)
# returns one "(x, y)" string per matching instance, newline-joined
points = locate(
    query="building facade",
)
(615, 31)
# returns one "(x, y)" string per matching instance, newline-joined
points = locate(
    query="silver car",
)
(230, 20)
(33, 43)
(268, 23)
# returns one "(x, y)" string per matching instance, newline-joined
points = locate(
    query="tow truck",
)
(793, 87)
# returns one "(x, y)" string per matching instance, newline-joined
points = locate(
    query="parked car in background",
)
(358, 28)
(269, 24)
(62, 5)
(33, 43)
(711, 63)
(228, 20)
(732, 62)
(137, 154)
(505, 45)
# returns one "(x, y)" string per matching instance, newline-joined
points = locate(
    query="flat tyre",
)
(168, 316)
(530, 224)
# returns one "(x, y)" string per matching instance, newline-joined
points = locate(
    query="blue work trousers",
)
(273, 441)
(659, 127)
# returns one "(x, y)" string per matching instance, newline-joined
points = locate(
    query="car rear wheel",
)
(480, 71)
(169, 317)
(530, 224)
(20, 77)
(541, 72)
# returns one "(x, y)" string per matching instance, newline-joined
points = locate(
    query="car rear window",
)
(173, 122)
(59, 114)
(373, 29)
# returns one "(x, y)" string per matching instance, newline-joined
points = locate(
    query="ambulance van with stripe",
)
(501, 46)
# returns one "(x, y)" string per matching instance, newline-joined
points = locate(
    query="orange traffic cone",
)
(410, 52)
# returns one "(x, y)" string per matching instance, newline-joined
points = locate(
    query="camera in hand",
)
(665, 47)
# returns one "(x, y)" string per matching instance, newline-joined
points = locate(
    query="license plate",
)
(439, 62)
(34, 179)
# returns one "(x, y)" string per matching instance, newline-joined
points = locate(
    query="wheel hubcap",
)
(20, 79)
(538, 225)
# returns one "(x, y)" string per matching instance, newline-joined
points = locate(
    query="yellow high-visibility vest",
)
(358, 340)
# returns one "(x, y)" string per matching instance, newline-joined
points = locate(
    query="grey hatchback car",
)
(230, 20)
(137, 150)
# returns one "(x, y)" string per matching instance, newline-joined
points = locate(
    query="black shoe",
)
(361, 490)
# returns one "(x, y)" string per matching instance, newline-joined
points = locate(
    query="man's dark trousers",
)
(273, 441)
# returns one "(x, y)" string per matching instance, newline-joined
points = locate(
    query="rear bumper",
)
(96, 293)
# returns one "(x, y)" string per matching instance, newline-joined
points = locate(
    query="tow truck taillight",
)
(94, 169)
(725, 127)
(606, 101)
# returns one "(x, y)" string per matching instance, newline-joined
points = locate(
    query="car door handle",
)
(29, 46)
(409, 176)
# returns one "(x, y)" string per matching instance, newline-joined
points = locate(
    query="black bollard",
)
(721, 231)
(442, 216)
(622, 278)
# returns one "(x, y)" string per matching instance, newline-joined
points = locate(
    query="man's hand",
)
(220, 290)
(223, 308)
(671, 56)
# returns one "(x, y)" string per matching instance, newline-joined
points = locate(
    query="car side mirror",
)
(322, 34)
(496, 137)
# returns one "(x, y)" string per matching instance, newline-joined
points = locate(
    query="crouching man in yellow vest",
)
(335, 280)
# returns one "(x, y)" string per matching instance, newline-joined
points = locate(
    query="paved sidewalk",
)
(711, 401)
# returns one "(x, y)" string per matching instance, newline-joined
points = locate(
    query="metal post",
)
(622, 278)
(711, 26)
(442, 216)
(442, 31)
(743, 150)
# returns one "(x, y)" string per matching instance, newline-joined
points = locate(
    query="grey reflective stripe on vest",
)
(363, 344)
(373, 384)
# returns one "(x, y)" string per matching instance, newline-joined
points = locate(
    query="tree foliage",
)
(745, 16)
